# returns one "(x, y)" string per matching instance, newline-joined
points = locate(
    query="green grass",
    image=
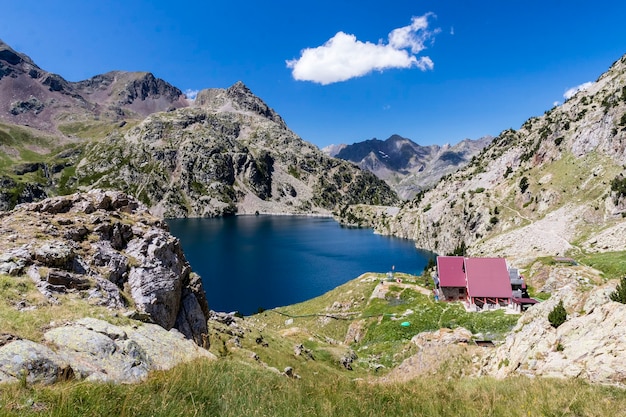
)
(94, 129)
(384, 338)
(24, 146)
(32, 322)
(231, 388)
(611, 264)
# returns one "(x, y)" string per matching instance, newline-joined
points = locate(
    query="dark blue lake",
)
(248, 262)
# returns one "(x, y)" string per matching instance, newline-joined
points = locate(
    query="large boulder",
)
(96, 350)
(23, 359)
(156, 283)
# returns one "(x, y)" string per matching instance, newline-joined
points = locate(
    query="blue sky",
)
(342, 71)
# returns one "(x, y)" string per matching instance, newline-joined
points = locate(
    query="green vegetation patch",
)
(426, 315)
(611, 264)
(93, 129)
(26, 313)
(571, 173)
(384, 339)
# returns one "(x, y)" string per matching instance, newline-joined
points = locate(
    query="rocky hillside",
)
(553, 186)
(228, 153)
(406, 166)
(68, 260)
(589, 345)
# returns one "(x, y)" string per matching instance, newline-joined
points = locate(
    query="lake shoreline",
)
(248, 262)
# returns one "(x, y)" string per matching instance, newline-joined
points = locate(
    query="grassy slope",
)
(241, 385)
(383, 340)
(24, 312)
(230, 388)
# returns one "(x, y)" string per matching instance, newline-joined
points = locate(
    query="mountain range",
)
(225, 152)
(405, 165)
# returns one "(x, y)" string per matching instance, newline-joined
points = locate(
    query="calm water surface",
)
(248, 262)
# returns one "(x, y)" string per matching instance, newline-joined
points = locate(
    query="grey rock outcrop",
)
(95, 350)
(434, 349)
(103, 243)
(23, 359)
(590, 344)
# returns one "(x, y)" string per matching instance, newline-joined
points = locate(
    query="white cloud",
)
(191, 94)
(343, 56)
(452, 30)
(572, 91)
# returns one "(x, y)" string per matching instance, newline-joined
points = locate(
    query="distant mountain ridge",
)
(34, 97)
(405, 165)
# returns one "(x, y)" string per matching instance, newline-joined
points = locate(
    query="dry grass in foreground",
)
(232, 388)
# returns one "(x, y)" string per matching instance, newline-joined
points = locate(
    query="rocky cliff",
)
(552, 186)
(406, 166)
(100, 250)
(108, 244)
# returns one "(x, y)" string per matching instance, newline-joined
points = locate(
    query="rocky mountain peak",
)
(11, 57)
(237, 98)
(247, 101)
(141, 92)
(407, 166)
(43, 100)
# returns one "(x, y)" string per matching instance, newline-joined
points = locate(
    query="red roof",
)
(488, 277)
(451, 271)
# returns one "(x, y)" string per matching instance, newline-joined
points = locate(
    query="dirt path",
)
(383, 288)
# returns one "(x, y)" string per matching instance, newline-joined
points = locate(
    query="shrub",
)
(523, 184)
(619, 294)
(618, 185)
(558, 315)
